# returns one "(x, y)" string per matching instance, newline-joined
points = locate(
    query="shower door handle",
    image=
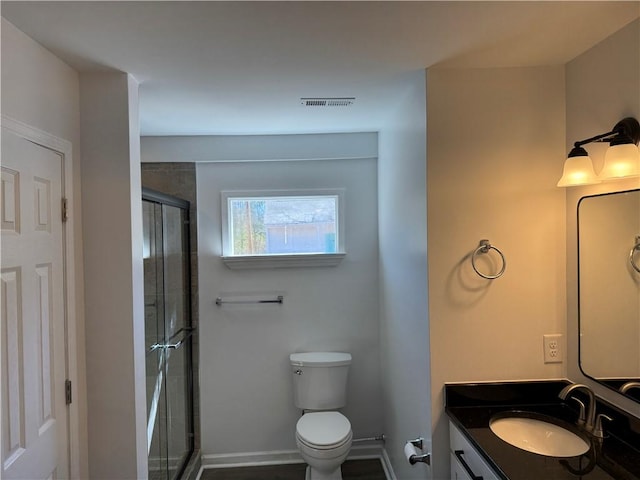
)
(176, 345)
(188, 333)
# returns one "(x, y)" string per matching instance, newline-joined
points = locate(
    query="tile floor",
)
(351, 470)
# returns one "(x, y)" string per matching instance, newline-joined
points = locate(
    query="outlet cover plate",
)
(552, 344)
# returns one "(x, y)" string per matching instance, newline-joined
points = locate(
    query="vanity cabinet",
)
(466, 462)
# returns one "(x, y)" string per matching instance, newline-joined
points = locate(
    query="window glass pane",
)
(283, 225)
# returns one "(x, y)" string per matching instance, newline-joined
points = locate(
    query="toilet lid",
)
(323, 428)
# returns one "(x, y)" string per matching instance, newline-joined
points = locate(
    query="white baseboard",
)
(251, 459)
(283, 457)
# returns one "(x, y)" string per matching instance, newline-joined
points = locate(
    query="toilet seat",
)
(323, 430)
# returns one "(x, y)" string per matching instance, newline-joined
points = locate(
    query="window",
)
(282, 228)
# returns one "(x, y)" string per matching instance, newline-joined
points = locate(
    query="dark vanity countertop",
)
(471, 406)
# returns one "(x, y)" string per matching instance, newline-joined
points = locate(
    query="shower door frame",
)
(172, 201)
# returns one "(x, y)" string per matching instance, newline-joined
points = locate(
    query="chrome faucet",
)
(582, 417)
(591, 407)
(593, 423)
(629, 385)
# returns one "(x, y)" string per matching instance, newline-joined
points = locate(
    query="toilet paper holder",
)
(416, 458)
(418, 442)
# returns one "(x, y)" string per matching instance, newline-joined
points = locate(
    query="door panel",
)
(177, 323)
(34, 423)
(168, 333)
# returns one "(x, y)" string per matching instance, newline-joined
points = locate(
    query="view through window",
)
(283, 225)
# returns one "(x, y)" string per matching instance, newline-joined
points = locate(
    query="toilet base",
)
(312, 474)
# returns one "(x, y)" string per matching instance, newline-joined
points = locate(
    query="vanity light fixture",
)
(621, 160)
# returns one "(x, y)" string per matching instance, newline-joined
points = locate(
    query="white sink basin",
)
(537, 435)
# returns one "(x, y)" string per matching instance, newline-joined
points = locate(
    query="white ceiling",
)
(241, 67)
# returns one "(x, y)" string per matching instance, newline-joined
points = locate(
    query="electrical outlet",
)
(552, 344)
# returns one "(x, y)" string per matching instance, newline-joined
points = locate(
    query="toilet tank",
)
(320, 379)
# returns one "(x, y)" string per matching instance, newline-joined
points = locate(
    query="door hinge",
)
(67, 392)
(65, 210)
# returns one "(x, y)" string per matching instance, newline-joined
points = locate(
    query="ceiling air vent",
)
(328, 102)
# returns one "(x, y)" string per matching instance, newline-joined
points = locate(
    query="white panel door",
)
(34, 412)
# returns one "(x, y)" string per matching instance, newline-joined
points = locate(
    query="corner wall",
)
(404, 319)
(495, 147)
(112, 216)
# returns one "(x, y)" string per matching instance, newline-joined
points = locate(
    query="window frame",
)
(288, 260)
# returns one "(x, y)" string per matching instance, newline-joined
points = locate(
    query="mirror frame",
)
(613, 385)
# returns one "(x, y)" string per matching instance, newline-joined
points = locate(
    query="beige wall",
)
(603, 86)
(40, 90)
(495, 146)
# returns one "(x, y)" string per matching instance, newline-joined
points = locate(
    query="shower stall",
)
(168, 334)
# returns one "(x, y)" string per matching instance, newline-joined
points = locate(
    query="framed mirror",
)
(609, 290)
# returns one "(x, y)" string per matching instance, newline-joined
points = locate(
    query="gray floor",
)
(351, 470)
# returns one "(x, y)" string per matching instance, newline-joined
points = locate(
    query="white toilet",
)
(323, 435)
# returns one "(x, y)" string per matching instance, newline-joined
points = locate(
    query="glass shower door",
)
(168, 335)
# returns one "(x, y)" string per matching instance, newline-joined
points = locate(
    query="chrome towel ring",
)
(636, 248)
(484, 247)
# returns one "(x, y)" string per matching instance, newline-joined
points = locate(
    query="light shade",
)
(621, 161)
(578, 170)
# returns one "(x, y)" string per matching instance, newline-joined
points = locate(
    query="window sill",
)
(283, 261)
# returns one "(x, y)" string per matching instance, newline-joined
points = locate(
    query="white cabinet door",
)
(457, 471)
(463, 452)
